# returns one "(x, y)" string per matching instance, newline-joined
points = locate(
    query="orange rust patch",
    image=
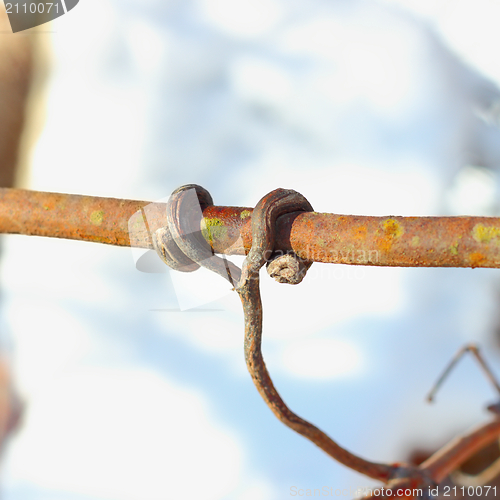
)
(392, 230)
(359, 233)
(476, 259)
(49, 205)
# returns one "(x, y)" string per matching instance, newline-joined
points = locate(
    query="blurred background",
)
(365, 107)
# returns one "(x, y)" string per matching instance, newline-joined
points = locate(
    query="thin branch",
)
(252, 307)
(447, 460)
(267, 211)
(436, 468)
(482, 478)
(460, 449)
(474, 350)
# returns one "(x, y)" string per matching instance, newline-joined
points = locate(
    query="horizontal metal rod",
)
(320, 237)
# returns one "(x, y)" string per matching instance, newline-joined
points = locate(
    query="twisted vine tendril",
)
(181, 246)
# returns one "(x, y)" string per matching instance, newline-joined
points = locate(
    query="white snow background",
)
(365, 107)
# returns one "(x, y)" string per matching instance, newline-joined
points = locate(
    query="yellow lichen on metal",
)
(245, 214)
(486, 234)
(96, 217)
(393, 228)
(454, 249)
(213, 229)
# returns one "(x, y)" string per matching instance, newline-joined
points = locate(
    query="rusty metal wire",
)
(289, 227)
(317, 237)
(264, 231)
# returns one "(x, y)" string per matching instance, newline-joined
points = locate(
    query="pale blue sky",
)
(364, 107)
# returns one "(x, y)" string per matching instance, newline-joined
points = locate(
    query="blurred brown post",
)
(16, 77)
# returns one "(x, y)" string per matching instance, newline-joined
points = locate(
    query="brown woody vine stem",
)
(252, 307)
(267, 211)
